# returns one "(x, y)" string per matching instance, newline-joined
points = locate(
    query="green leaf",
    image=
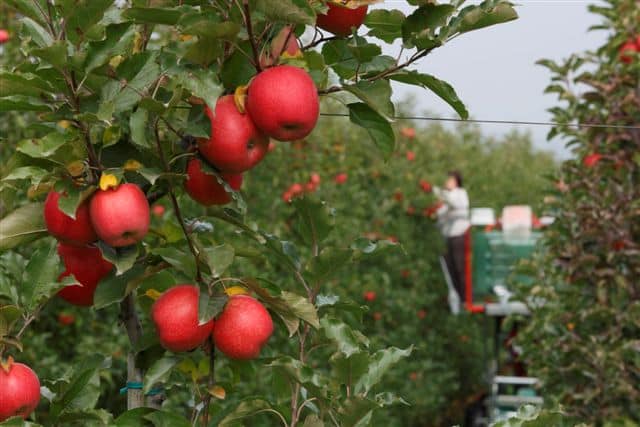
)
(133, 417)
(201, 83)
(153, 15)
(488, 13)
(123, 258)
(119, 38)
(167, 419)
(208, 26)
(27, 85)
(385, 24)
(376, 94)
(349, 341)
(39, 35)
(314, 220)
(113, 288)
(439, 87)
(40, 275)
(328, 263)
(178, 258)
(34, 174)
(285, 251)
(210, 306)
(290, 11)
(85, 14)
(159, 372)
(23, 103)
(138, 125)
(419, 28)
(81, 392)
(380, 363)
(300, 307)
(301, 373)
(362, 50)
(219, 258)
(56, 54)
(376, 126)
(246, 409)
(44, 147)
(31, 8)
(21, 226)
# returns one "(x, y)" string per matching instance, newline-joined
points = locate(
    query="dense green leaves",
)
(21, 226)
(385, 24)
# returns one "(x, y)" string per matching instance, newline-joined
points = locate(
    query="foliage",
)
(583, 338)
(96, 89)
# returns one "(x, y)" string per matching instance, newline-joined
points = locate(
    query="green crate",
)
(494, 257)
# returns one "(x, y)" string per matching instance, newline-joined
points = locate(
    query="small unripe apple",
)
(205, 189)
(175, 315)
(88, 267)
(339, 19)
(236, 145)
(19, 390)
(283, 103)
(77, 231)
(120, 216)
(243, 328)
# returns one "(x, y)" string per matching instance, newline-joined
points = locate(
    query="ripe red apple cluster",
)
(629, 49)
(118, 216)
(19, 390)
(296, 189)
(281, 103)
(239, 332)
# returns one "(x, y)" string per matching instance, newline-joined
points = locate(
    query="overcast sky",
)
(493, 69)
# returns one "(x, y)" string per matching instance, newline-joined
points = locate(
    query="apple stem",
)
(252, 39)
(135, 397)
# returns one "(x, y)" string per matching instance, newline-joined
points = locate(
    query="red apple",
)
(287, 196)
(158, 210)
(398, 196)
(309, 187)
(66, 319)
(339, 19)
(175, 315)
(411, 210)
(341, 178)
(591, 160)
(408, 133)
(4, 36)
(120, 216)
(627, 51)
(205, 189)
(377, 315)
(283, 103)
(243, 328)
(369, 296)
(315, 178)
(278, 48)
(296, 189)
(88, 267)
(77, 231)
(19, 389)
(235, 145)
(422, 314)
(272, 146)
(411, 156)
(426, 186)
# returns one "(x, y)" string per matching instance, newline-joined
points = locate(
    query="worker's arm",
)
(454, 199)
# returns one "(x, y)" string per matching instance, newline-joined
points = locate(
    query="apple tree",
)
(583, 338)
(174, 102)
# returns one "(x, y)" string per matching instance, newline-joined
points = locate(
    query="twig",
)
(315, 43)
(210, 384)
(252, 40)
(176, 206)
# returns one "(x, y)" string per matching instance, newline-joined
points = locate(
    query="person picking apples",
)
(453, 221)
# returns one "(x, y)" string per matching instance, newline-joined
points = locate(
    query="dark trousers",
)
(455, 263)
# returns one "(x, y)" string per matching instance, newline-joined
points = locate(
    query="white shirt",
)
(453, 215)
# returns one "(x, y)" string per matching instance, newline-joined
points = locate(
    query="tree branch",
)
(210, 383)
(252, 40)
(135, 397)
